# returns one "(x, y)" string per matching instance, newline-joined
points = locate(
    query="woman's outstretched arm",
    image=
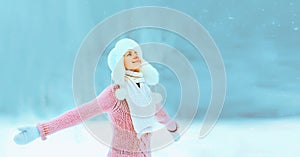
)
(163, 117)
(103, 103)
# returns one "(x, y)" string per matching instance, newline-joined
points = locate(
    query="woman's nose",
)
(135, 56)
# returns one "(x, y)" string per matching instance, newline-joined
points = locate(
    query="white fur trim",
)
(156, 98)
(151, 75)
(118, 73)
(121, 93)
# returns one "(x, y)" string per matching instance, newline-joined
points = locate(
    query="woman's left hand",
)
(175, 133)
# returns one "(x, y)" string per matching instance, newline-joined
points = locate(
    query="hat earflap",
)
(118, 78)
(150, 74)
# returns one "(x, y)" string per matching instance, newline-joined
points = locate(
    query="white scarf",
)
(139, 100)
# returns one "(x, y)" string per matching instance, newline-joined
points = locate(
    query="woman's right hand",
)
(26, 135)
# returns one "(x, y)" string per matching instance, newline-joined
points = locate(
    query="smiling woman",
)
(132, 61)
(133, 109)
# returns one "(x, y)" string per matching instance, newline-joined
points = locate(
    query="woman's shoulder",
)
(110, 90)
(107, 98)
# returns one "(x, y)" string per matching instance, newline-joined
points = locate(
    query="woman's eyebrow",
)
(127, 52)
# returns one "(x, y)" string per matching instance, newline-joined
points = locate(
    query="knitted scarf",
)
(140, 104)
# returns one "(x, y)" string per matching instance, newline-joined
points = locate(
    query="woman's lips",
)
(139, 61)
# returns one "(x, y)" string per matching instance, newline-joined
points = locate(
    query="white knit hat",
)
(116, 64)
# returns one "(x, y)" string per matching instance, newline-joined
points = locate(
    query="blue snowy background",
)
(258, 40)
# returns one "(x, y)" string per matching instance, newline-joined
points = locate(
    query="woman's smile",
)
(132, 61)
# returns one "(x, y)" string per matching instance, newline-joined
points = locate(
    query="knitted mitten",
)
(175, 133)
(26, 135)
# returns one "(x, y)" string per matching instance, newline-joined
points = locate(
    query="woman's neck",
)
(134, 70)
(134, 74)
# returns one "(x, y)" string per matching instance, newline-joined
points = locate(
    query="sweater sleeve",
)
(104, 102)
(163, 118)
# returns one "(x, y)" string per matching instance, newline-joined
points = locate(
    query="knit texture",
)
(125, 142)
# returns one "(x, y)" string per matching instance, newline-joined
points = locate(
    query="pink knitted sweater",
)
(125, 142)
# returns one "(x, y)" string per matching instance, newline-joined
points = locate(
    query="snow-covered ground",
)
(230, 138)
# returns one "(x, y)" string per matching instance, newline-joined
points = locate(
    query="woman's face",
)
(132, 61)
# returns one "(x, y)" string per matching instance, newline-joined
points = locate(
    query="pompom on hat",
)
(115, 62)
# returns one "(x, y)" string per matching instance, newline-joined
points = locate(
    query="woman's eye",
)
(129, 54)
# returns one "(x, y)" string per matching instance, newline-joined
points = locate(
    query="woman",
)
(130, 104)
